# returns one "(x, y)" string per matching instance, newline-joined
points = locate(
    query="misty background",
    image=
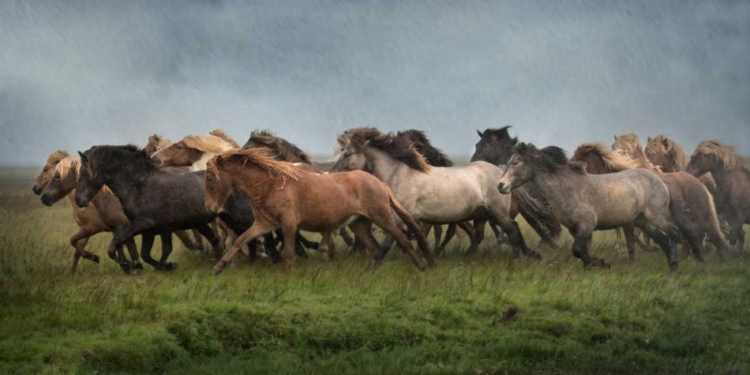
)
(76, 73)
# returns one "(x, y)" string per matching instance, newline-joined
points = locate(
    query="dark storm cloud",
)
(74, 74)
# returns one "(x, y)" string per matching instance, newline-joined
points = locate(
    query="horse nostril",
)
(500, 186)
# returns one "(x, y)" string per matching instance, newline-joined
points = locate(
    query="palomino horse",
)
(433, 195)
(495, 146)
(48, 170)
(103, 215)
(584, 203)
(287, 197)
(691, 205)
(155, 201)
(732, 184)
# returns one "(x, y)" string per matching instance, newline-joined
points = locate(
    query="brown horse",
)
(287, 197)
(669, 157)
(691, 205)
(48, 170)
(732, 184)
(103, 215)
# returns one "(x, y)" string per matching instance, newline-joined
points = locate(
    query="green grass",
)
(332, 317)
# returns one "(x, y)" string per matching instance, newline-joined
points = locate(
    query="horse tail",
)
(713, 229)
(406, 217)
(538, 209)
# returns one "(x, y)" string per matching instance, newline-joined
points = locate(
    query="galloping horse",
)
(732, 184)
(155, 201)
(285, 196)
(495, 146)
(433, 195)
(691, 205)
(584, 203)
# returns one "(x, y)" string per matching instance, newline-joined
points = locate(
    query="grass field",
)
(333, 318)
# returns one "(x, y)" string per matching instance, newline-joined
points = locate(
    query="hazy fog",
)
(74, 74)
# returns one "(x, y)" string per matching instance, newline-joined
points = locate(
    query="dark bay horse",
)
(584, 203)
(495, 146)
(691, 205)
(285, 196)
(155, 201)
(732, 184)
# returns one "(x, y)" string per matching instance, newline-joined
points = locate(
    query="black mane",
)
(113, 158)
(434, 156)
(399, 148)
(500, 134)
(550, 158)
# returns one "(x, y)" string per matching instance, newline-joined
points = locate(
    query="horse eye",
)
(178, 147)
(57, 176)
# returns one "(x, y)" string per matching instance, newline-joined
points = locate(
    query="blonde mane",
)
(627, 142)
(724, 153)
(614, 160)
(57, 156)
(263, 158)
(208, 143)
(72, 164)
(220, 133)
(661, 145)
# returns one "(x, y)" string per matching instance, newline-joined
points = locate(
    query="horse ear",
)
(82, 155)
(521, 147)
(218, 160)
(480, 134)
(648, 140)
(616, 138)
(665, 141)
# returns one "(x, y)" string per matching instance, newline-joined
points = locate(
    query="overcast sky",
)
(75, 74)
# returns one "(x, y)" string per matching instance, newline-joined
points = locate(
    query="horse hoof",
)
(216, 271)
(95, 259)
(605, 265)
(170, 266)
(137, 266)
(673, 267)
(136, 271)
(126, 269)
(535, 255)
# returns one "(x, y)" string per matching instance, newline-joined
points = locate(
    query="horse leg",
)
(307, 243)
(362, 229)
(511, 228)
(499, 235)
(438, 234)
(629, 231)
(546, 238)
(386, 246)
(147, 242)
(289, 230)
(448, 236)
(326, 245)
(187, 241)
(478, 236)
(259, 228)
(579, 248)
(210, 235)
(135, 259)
(79, 241)
(198, 239)
(166, 249)
(737, 235)
(665, 241)
(269, 244)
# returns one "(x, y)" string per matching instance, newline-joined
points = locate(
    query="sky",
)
(74, 74)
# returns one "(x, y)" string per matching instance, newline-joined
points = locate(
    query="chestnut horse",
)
(584, 203)
(691, 205)
(285, 196)
(732, 184)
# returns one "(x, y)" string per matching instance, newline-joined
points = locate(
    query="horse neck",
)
(253, 182)
(127, 186)
(382, 166)
(642, 160)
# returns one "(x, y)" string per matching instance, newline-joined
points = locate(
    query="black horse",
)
(155, 201)
(496, 146)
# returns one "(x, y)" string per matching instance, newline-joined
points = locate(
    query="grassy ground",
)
(332, 317)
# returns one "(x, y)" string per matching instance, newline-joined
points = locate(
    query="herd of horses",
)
(262, 194)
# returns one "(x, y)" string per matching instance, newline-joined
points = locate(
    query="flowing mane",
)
(72, 164)
(661, 145)
(434, 156)
(284, 149)
(220, 133)
(613, 160)
(724, 153)
(261, 157)
(57, 156)
(500, 134)
(550, 158)
(627, 142)
(208, 143)
(399, 148)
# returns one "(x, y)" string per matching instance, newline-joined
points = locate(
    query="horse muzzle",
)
(504, 188)
(81, 202)
(36, 189)
(46, 200)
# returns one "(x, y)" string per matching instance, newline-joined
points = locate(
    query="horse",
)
(496, 146)
(48, 170)
(433, 195)
(155, 201)
(155, 143)
(732, 184)
(103, 215)
(194, 151)
(285, 196)
(669, 157)
(691, 205)
(584, 203)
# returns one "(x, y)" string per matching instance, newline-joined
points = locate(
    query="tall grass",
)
(486, 314)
